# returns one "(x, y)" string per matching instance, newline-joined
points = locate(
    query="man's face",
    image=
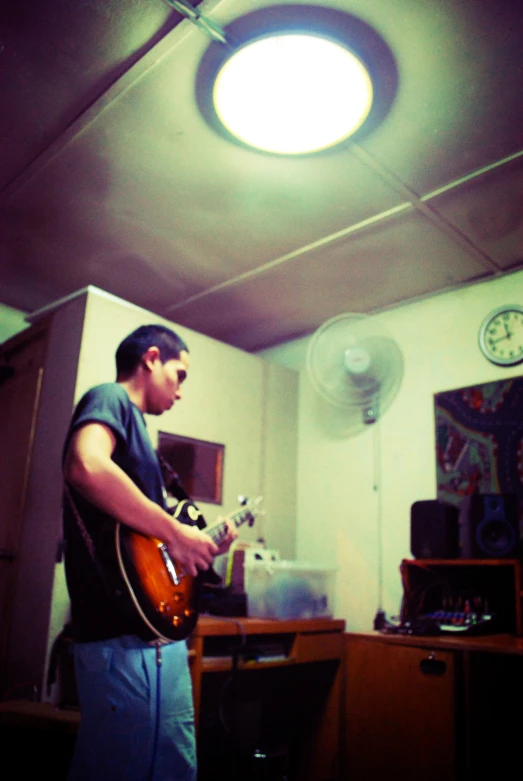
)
(165, 380)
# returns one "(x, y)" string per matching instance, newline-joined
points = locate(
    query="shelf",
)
(424, 563)
(212, 664)
(432, 585)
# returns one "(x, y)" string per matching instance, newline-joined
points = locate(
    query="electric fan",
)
(355, 364)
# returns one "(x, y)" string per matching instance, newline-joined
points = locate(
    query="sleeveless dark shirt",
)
(100, 604)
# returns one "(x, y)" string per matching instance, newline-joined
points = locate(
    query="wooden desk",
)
(276, 653)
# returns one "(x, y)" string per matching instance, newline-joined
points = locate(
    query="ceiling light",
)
(292, 94)
(295, 79)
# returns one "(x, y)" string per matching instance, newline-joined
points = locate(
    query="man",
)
(137, 718)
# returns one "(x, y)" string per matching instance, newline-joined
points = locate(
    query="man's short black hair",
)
(131, 350)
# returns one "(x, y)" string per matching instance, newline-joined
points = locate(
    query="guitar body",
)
(165, 597)
(169, 608)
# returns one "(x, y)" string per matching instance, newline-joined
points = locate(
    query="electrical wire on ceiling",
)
(200, 20)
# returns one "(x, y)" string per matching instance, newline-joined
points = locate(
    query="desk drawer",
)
(317, 647)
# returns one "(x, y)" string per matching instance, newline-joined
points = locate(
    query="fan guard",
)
(354, 362)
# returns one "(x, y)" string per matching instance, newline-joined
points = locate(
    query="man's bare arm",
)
(90, 469)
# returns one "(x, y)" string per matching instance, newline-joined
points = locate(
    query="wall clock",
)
(501, 335)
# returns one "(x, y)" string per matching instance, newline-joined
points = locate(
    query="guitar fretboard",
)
(218, 531)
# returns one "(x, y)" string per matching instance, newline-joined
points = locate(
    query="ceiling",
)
(110, 176)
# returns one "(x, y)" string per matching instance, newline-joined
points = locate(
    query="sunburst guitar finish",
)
(164, 596)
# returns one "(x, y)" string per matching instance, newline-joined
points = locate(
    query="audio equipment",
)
(434, 530)
(489, 527)
(473, 596)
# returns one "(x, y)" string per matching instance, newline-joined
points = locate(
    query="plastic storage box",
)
(289, 589)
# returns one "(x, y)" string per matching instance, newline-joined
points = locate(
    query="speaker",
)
(489, 527)
(434, 530)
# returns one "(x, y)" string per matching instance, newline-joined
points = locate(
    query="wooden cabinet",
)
(493, 726)
(431, 707)
(36, 401)
(22, 359)
(400, 715)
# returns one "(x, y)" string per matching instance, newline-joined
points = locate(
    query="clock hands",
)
(501, 339)
(508, 335)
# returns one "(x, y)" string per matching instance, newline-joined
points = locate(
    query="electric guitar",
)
(164, 596)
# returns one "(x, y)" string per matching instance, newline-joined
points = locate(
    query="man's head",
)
(131, 351)
(153, 361)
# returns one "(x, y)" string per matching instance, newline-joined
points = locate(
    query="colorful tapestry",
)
(479, 441)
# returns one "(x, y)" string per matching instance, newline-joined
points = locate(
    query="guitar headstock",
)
(252, 505)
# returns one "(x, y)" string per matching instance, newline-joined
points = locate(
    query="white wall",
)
(337, 504)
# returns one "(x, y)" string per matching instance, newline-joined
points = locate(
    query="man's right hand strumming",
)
(191, 548)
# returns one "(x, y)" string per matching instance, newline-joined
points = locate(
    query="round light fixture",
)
(292, 93)
(296, 80)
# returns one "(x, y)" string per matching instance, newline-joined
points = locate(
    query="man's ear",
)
(150, 356)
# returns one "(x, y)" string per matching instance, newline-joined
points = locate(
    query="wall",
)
(338, 507)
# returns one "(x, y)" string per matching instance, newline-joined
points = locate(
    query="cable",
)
(239, 626)
(413, 600)
(193, 15)
(380, 620)
(158, 646)
(226, 684)
(235, 656)
(380, 623)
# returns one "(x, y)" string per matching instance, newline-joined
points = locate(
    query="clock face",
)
(501, 336)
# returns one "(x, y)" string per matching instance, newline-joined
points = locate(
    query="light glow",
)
(292, 93)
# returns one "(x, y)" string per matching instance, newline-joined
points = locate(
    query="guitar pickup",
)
(164, 553)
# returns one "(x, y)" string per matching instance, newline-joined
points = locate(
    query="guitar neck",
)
(218, 531)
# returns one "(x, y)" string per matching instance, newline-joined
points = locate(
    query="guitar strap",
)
(85, 535)
(81, 525)
(186, 511)
(173, 484)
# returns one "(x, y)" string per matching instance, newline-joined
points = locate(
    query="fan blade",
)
(353, 362)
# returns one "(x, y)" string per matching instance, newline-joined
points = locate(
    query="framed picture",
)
(198, 464)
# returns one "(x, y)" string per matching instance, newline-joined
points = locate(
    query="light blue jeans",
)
(123, 736)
